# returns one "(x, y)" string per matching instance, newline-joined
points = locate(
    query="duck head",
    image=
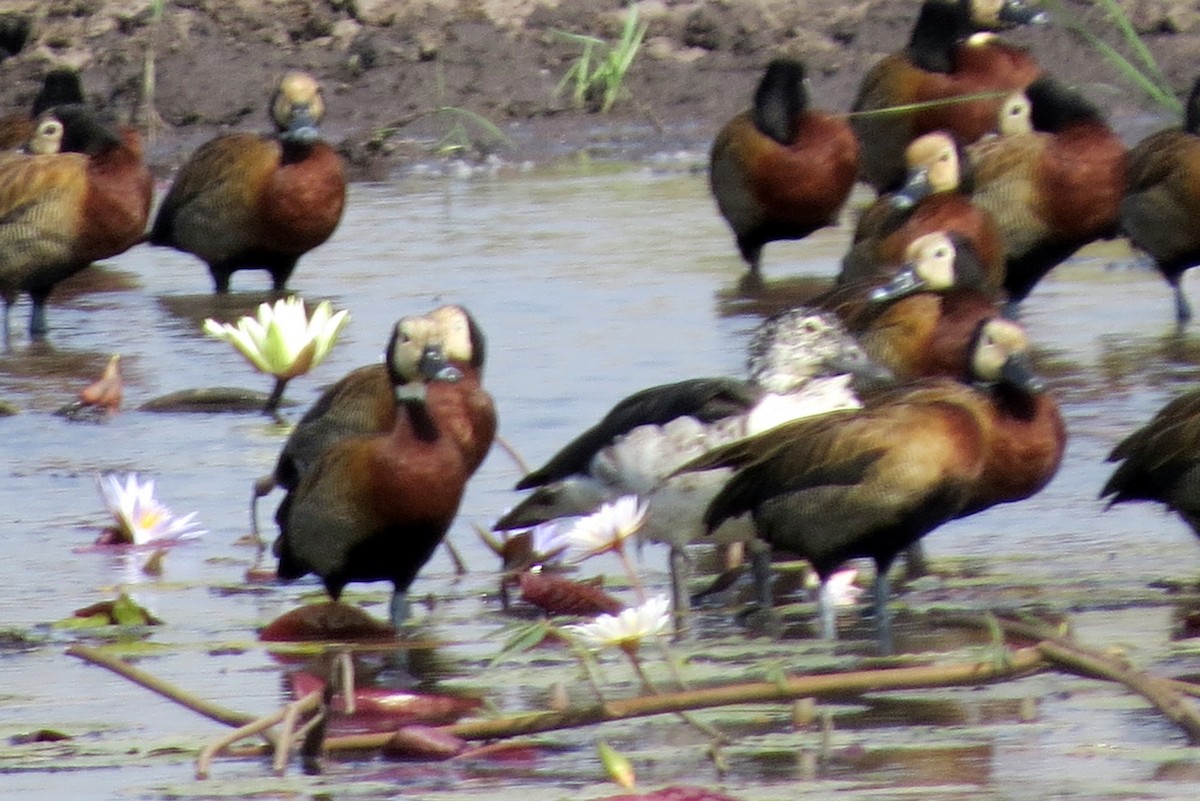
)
(297, 108)
(1001, 356)
(933, 262)
(936, 163)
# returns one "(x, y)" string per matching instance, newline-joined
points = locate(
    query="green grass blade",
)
(1151, 81)
(1162, 96)
(909, 108)
(1118, 15)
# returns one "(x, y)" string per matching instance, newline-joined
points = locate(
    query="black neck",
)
(940, 26)
(780, 101)
(1191, 113)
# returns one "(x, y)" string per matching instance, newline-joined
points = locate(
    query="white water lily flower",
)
(627, 629)
(282, 340)
(607, 528)
(138, 515)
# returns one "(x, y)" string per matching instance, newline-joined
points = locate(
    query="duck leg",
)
(681, 601)
(827, 611)
(766, 620)
(1183, 309)
(883, 616)
(399, 609)
(37, 316)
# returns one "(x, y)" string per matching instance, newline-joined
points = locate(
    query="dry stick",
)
(287, 733)
(208, 709)
(306, 704)
(1164, 694)
(1023, 662)
(460, 565)
(513, 454)
(1157, 691)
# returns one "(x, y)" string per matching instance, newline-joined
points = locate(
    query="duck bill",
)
(865, 374)
(904, 283)
(1018, 12)
(915, 188)
(1018, 374)
(434, 366)
(302, 128)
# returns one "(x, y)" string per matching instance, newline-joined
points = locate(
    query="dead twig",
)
(1158, 692)
(1165, 694)
(1023, 662)
(208, 709)
(288, 733)
(308, 703)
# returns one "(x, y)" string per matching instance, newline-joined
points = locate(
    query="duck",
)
(1053, 189)
(1160, 461)
(363, 402)
(782, 169)
(60, 87)
(870, 482)
(245, 201)
(373, 506)
(61, 211)
(936, 196)
(952, 52)
(1161, 210)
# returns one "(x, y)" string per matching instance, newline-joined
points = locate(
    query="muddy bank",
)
(388, 61)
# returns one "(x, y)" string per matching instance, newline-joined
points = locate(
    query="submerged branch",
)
(287, 715)
(1165, 694)
(1023, 662)
(1158, 692)
(212, 711)
(1048, 649)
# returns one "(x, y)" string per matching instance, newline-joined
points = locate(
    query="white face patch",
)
(412, 335)
(1014, 116)
(932, 258)
(455, 332)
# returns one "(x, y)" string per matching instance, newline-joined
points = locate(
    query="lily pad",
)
(209, 399)
(329, 621)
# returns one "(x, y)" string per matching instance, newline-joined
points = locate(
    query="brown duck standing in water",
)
(1161, 210)
(61, 211)
(245, 201)
(782, 169)
(363, 402)
(374, 506)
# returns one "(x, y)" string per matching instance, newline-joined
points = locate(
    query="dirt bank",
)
(386, 60)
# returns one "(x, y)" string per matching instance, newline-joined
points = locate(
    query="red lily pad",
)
(559, 596)
(327, 621)
(383, 709)
(679, 793)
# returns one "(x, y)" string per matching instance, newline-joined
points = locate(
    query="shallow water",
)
(589, 285)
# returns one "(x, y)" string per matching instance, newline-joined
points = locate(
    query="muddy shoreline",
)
(385, 62)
